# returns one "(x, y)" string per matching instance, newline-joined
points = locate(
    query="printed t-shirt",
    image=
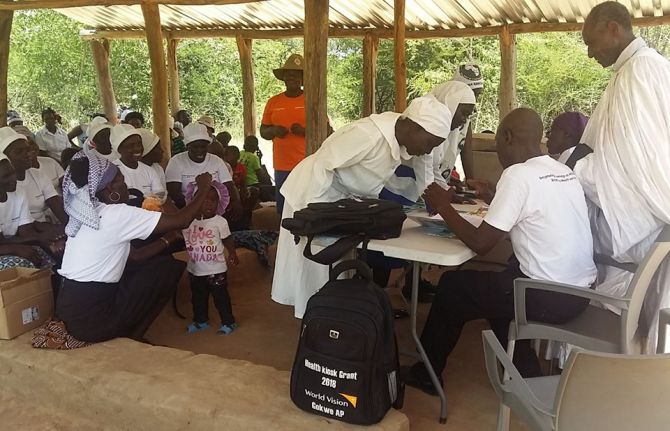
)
(181, 169)
(541, 204)
(204, 244)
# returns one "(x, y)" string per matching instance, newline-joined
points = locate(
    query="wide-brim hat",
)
(206, 120)
(294, 62)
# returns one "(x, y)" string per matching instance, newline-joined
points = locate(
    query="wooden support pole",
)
(100, 50)
(370, 48)
(315, 75)
(159, 85)
(399, 66)
(248, 95)
(6, 18)
(173, 74)
(507, 89)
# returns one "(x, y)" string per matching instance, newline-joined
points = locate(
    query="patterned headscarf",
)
(81, 203)
(224, 197)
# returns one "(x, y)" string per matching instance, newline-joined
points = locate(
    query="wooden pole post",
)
(173, 74)
(315, 75)
(159, 85)
(399, 66)
(248, 95)
(507, 89)
(370, 48)
(6, 18)
(100, 50)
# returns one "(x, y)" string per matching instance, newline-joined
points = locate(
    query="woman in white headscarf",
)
(407, 185)
(355, 161)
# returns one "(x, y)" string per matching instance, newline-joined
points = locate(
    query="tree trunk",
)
(6, 18)
(399, 66)
(100, 50)
(507, 90)
(370, 48)
(248, 95)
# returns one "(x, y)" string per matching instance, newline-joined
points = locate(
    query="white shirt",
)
(204, 243)
(161, 174)
(14, 213)
(52, 170)
(142, 178)
(356, 160)
(37, 189)
(541, 204)
(101, 255)
(52, 143)
(181, 169)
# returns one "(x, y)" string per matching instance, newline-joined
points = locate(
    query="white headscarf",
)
(453, 93)
(432, 115)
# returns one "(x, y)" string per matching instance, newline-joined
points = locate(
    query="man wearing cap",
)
(183, 168)
(284, 123)
(356, 160)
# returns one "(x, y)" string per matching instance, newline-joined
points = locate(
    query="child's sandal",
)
(226, 329)
(195, 327)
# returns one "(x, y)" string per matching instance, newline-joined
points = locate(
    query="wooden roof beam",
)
(62, 4)
(355, 33)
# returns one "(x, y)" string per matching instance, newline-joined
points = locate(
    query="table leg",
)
(424, 358)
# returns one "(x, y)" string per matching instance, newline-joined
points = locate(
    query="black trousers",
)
(94, 311)
(463, 296)
(217, 286)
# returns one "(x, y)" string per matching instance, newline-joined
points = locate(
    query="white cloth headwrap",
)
(81, 203)
(452, 94)
(429, 113)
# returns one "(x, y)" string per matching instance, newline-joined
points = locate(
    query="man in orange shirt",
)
(284, 123)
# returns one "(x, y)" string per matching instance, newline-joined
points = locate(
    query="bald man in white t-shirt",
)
(540, 204)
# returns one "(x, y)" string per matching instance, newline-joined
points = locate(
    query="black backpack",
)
(346, 364)
(356, 220)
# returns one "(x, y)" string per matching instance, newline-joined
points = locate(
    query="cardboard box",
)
(26, 300)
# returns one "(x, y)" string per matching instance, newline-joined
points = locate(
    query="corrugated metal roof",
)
(358, 14)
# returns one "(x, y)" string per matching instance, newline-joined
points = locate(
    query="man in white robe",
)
(626, 178)
(355, 161)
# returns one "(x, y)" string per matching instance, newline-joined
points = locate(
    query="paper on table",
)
(473, 214)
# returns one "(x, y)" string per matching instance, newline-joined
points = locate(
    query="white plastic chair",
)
(596, 328)
(595, 392)
(663, 322)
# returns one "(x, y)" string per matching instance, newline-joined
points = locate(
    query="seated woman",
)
(20, 244)
(141, 179)
(43, 201)
(103, 297)
(46, 165)
(153, 153)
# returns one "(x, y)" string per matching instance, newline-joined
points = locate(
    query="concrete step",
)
(126, 385)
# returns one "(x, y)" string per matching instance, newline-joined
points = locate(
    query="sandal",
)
(226, 329)
(195, 327)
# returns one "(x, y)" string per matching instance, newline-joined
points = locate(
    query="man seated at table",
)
(541, 204)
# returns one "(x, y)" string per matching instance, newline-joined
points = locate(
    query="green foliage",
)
(50, 65)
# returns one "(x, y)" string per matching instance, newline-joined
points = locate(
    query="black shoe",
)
(426, 291)
(416, 376)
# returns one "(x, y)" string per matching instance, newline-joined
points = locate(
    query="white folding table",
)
(415, 244)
